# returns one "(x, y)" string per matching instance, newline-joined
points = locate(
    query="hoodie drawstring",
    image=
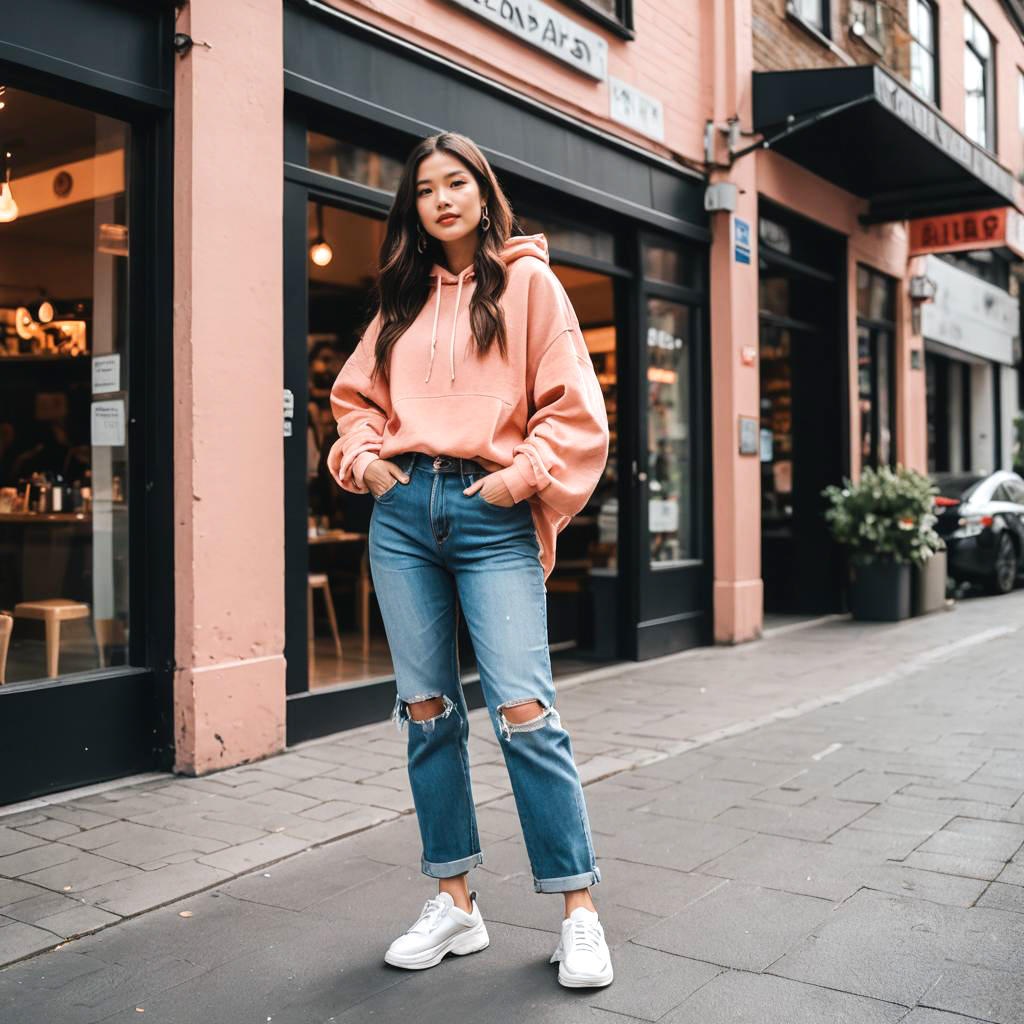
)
(433, 330)
(455, 317)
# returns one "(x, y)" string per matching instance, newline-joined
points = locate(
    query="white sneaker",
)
(441, 928)
(582, 953)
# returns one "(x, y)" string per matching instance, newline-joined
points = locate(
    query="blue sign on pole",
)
(741, 240)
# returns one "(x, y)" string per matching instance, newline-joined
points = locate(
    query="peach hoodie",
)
(539, 418)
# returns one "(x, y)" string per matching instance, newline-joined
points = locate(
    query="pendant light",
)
(320, 252)
(8, 207)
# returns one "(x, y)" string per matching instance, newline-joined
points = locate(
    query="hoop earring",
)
(421, 240)
(485, 221)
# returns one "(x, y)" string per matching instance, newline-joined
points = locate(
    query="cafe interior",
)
(63, 389)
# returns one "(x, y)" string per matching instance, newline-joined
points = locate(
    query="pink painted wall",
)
(229, 700)
(667, 59)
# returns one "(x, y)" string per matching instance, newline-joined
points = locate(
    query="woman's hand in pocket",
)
(492, 489)
(380, 476)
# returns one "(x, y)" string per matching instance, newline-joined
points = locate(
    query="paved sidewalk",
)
(827, 824)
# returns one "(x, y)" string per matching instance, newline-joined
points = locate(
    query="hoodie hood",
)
(516, 247)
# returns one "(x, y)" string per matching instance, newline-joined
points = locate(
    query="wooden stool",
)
(53, 611)
(6, 625)
(318, 581)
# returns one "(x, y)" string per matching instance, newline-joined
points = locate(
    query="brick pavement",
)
(828, 823)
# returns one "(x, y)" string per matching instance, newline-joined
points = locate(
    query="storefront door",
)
(669, 471)
(803, 410)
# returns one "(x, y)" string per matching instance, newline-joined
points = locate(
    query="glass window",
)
(1020, 102)
(672, 263)
(979, 82)
(812, 11)
(921, 21)
(64, 400)
(776, 447)
(353, 162)
(670, 459)
(569, 236)
(876, 303)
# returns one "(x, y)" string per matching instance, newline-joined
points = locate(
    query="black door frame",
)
(671, 606)
(93, 726)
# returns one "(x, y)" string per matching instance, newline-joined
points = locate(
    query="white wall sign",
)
(635, 109)
(969, 314)
(108, 423)
(547, 29)
(106, 373)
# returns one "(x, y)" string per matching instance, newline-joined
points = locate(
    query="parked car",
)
(981, 519)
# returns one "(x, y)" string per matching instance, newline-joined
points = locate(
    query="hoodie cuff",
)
(515, 479)
(359, 464)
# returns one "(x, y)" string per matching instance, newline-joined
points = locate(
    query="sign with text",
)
(635, 109)
(960, 232)
(547, 29)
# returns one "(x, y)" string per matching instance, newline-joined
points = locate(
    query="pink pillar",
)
(735, 383)
(229, 696)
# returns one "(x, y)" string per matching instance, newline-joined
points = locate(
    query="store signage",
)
(741, 240)
(547, 29)
(107, 424)
(962, 232)
(106, 373)
(923, 119)
(969, 315)
(636, 110)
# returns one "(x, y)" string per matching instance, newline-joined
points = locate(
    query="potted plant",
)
(886, 521)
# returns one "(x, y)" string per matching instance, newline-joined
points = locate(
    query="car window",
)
(1015, 491)
(961, 487)
(1002, 493)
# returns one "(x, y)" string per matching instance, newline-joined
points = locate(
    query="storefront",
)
(628, 238)
(85, 411)
(843, 364)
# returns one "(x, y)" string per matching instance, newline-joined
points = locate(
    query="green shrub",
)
(886, 517)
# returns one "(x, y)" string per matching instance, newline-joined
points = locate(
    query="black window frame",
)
(824, 30)
(621, 23)
(991, 142)
(932, 50)
(879, 329)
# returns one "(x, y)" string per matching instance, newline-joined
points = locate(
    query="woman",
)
(476, 457)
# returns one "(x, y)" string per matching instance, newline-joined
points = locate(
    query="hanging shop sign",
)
(962, 232)
(635, 109)
(547, 29)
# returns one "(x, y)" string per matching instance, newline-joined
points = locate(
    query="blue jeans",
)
(429, 543)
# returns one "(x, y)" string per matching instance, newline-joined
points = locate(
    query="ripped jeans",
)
(428, 543)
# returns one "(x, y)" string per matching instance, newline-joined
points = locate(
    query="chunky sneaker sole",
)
(471, 941)
(584, 980)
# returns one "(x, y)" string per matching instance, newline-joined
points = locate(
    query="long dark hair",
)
(403, 283)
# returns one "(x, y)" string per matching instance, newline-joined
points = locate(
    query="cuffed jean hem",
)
(569, 883)
(452, 867)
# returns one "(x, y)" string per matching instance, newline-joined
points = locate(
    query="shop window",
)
(875, 382)
(573, 237)
(64, 398)
(671, 263)
(348, 160)
(948, 403)
(669, 435)
(979, 82)
(921, 20)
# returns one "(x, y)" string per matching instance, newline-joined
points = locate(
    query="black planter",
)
(880, 592)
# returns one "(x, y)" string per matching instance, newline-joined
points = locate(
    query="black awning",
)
(860, 129)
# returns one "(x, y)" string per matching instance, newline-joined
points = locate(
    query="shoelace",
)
(429, 917)
(585, 935)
